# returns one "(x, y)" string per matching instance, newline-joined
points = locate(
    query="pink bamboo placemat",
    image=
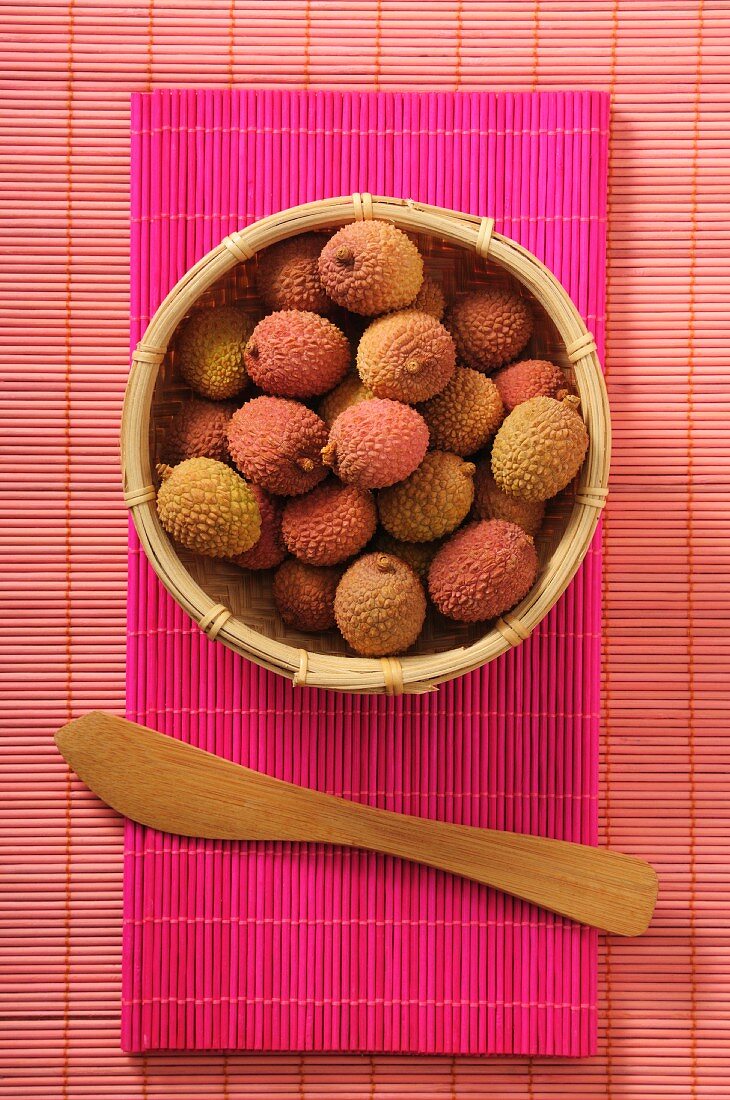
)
(294, 947)
(68, 70)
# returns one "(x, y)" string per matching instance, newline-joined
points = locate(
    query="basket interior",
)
(248, 593)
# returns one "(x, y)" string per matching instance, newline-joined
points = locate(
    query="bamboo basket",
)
(236, 607)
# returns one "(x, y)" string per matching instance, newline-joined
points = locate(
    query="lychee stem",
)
(469, 469)
(328, 453)
(572, 401)
(163, 471)
(345, 256)
(413, 366)
(385, 564)
(305, 464)
(252, 348)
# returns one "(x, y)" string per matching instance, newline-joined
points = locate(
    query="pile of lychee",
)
(420, 475)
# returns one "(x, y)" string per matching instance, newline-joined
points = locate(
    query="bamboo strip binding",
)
(411, 674)
(213, 621)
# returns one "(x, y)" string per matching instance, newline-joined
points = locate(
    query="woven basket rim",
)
(408, 674)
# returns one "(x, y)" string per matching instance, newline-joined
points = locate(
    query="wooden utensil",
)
(171, 786)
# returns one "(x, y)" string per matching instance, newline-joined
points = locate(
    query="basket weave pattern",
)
(235, 606)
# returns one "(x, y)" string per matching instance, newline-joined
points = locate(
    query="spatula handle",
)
(595, 886)
(164, 783)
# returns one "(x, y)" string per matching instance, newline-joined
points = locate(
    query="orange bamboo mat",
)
(67, 71)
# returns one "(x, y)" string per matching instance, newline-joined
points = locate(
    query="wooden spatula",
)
(171, 786)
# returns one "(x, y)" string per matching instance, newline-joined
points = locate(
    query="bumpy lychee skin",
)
(465, 415)
(351, 391)
(277, 444)
(380, 605)
(305, 595)
(330, 524)
(198, 430)
(483, 571)
(539, 448)
(430, 299)
(270, 550)
(206, 507)
(370, 267)
(430, 503)
(418, 555)
(209, 349)
(491, 503)
(528, 378)
(407, 356)
(376, 443)
(297, 354)
(490, 327)
(287, 275)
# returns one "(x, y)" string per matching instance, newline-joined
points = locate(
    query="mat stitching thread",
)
(150, 43)
(691, 362)
(68, 836)
(296, 846)
(385, 131)
(231, 42)
(306, 76)
(378, 34)
(386, 1002)
(284, 711)
(459, 17)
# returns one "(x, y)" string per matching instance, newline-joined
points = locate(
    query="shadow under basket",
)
(236, 607)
